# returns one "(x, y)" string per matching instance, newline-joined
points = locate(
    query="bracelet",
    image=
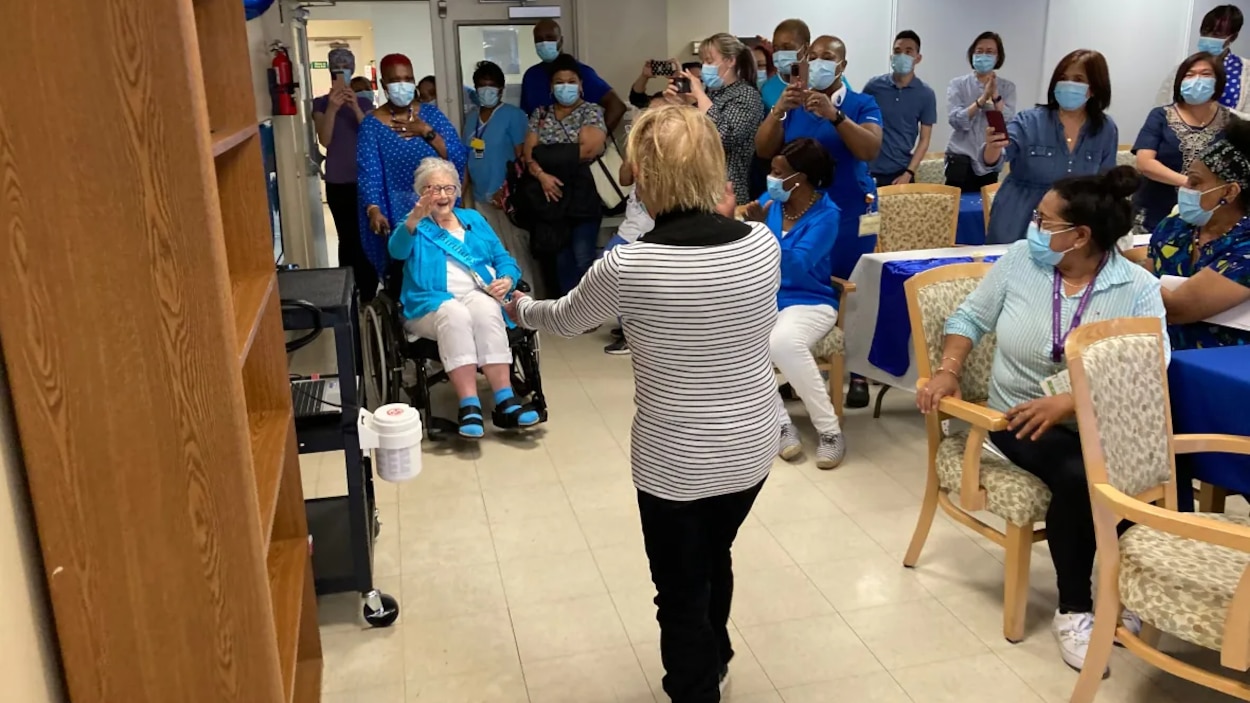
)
(951, 358)
(911, 173)
(943, 368)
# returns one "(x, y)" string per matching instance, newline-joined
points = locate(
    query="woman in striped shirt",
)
(1068, 271)
(697, 299)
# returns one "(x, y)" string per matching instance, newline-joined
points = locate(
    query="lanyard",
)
(1057, 341)
(481, 125)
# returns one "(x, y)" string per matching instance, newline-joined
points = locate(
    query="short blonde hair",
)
(680, 160)
(430, 166)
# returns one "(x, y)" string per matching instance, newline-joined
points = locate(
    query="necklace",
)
(802, 212)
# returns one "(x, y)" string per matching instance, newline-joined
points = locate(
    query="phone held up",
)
(996, 121)
(662, 67)
(681, 84)
(798, 72)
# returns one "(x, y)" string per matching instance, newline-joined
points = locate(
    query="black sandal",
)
(471, 425)
(507, 414)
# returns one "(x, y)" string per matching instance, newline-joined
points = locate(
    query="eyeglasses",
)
(442, 190)
(1039, 220)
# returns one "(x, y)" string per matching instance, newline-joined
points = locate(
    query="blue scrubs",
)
(502, 133)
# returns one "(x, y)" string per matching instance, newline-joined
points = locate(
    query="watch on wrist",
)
(430, 135)
(839, 118)
(911, 173)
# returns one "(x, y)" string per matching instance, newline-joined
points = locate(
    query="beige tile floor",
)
(521, 576)
(520, 571)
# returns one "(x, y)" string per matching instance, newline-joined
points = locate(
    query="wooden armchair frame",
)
(835, 366)
(1110, 506)
(923, 189)
(1016, 540)
(987, 201)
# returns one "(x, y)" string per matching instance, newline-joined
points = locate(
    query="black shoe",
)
(787, 392)
(857, 396)
(617, 347)
(617, 332)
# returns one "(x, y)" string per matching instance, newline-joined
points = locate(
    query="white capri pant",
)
(469, 329)
(798, 328)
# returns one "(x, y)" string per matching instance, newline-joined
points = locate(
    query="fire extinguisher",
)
(282, 83)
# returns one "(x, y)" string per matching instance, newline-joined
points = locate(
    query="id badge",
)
(478, 145)
(1058, 384)
(870, 224)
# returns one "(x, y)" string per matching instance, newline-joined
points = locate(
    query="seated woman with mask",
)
(1208, 243)
(456, 275)
(805, 221)
(1067, 271)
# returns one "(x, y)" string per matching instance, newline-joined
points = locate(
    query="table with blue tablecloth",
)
(1210, 390)
(971, 228)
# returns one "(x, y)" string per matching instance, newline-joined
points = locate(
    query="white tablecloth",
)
(860, 308)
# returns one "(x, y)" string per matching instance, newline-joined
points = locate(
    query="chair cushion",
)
(1010, 492)
(832, 344)
(1181, 586)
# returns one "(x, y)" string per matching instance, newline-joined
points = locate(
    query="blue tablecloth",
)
(971, 229)
(891, 340)
(1210, 391)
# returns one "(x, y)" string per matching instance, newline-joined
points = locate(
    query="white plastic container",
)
(393, 432)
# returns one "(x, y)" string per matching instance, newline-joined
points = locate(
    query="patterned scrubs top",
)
(1172, 251)
(550, 130)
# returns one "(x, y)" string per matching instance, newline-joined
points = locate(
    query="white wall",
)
(616, 36)
(398, 28)
(945, 35)
(690, 20)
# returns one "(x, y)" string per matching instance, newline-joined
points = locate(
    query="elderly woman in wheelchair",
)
(456, 276)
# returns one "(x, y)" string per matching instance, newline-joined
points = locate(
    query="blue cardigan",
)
(806, 254)
(425, 264)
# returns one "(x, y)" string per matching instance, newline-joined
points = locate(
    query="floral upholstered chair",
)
(917, 216)
(1184, 574)
(932, 170)
(963, 478)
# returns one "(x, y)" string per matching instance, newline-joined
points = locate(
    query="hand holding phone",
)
(662, 67)
(996, 121)
(681, 84)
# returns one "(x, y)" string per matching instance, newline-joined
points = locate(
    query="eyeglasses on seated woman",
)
(456, 276)
(1067, 271)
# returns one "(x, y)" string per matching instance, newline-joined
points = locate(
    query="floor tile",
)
(447, 546)
(758, 599)
(982, 679)
(526, 502)
(794, 501)
(824, 539)
(363, 658)
(869, 688)
(913, 633)
(1036, 661)
(866, 490)
(637, 611)
(551, 578)
(865, 582)
(479, 643)
(499, 686)
(624, 568)
(536, 537)
(608, 676)
(372, 694)
(746, 676)
(798, 652)
(436, 594)
(756, 548)
(565, 628)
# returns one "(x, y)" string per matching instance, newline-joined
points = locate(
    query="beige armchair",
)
(962, 478)
(830, 351)
(917, 216)
(1184, 574)
(987, 201)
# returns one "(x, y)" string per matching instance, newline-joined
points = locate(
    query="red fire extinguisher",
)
(282, 83)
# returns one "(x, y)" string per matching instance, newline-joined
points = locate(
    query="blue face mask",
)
(777, 188)
(983, 63)
(784, 60)
(710, 73)
(821, 73)
(401, 94)
(1039, 246)
(488, 96)
(566, 93)
(902, 64)
(1197, 90)
(1211, 45)
(547, 50)
(1189, 206)
(761, 77)
(365, 94)
(1071, 95)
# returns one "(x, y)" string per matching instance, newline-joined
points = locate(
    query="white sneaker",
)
(1131, 622)
(790, 447)
(724, 679)
(1073, 630)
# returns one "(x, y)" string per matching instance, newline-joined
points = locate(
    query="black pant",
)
(965, 179)
(341, 197)
(1056, 459)
(887, 179)
(688, 545)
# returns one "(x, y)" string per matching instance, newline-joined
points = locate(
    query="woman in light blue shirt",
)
(1067, 272)
(968, 97)
(1071, 135)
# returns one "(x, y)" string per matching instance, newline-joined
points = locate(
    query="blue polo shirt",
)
(773, 88)
(903, 110)
(536, 87)
(503, 132)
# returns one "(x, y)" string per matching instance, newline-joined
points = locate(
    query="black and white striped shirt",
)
(697, 297)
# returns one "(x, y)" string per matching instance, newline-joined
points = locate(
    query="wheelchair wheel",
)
(383, 367)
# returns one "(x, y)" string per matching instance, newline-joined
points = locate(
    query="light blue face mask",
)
(1189, 206)
(401, 94)
(1071, 95)
(902, 64)
(547, 50)
(1211, 45)
(761, 77)
(710, 73)
(1197, 90)
(784, 60)
(488, 96)
(777, 188)
(983, 63)
(566, 93)
(821, 73)
(1039, 246)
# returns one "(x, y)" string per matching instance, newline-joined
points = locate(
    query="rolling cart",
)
(343, 528)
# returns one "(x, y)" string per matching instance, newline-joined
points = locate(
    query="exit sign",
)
(320, 64)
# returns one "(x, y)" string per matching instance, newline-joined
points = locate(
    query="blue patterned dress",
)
(1172, 252)
(385, 165)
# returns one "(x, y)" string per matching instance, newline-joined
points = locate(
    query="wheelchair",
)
(387, 349)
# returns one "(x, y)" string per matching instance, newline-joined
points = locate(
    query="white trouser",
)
(798, 328)
(469, 330)
(515, 240)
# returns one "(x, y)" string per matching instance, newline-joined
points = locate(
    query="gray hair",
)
(430, 166)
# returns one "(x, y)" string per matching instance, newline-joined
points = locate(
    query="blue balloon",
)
(256, 8)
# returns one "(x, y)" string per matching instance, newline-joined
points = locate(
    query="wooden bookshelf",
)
(142, 333)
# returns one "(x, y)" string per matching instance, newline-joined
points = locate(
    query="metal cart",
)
(343, 528)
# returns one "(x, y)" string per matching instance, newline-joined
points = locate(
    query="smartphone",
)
(995, 118)
(799, 73)
(682, 83)
(662, 67)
